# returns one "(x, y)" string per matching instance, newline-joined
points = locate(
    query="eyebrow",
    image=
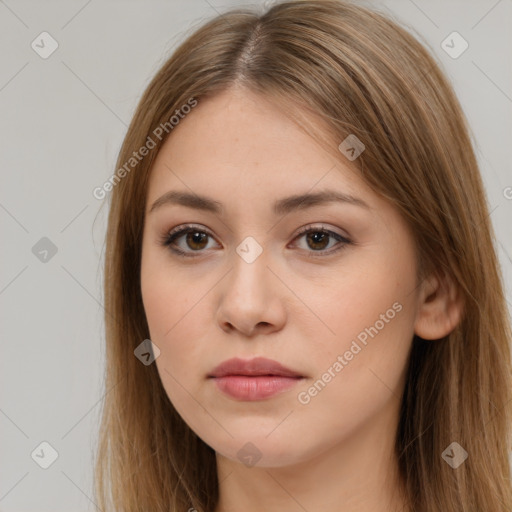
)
(281, 206)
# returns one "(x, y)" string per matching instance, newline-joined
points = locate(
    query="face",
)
(326, 289)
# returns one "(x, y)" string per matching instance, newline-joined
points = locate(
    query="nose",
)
(251, 298)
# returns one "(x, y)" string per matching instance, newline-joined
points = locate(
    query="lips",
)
(258, 366)
(254, 379)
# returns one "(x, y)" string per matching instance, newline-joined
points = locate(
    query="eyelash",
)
(169, 238)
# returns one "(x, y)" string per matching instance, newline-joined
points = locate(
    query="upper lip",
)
(252, 367)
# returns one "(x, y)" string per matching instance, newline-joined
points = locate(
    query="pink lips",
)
(253, 379)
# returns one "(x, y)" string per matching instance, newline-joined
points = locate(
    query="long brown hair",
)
(362, 74)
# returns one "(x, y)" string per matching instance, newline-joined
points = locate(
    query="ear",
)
(440, 307)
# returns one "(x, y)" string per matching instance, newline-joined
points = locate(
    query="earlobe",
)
(440, 307)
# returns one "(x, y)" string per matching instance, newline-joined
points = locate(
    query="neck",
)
(359, 474)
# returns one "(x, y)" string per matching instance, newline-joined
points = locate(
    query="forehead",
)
(238, 141)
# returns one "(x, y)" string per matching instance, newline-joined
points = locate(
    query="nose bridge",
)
(250, 266)
(248, 295)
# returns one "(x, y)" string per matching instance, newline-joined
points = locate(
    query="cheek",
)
(359, 371)
(171, 306)
(175, 301)
(347, 301)
(172, 319)
(367, 314)
(166, 297)
(172, 314)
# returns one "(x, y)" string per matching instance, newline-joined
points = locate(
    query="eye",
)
(318, 238)
(196, 239)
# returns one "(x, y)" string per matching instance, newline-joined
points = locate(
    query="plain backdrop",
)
(62, 121)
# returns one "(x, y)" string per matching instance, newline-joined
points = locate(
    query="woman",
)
(302, 310)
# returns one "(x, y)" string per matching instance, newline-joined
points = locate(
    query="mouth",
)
(257, 367)
(255, 379)
(255, 387)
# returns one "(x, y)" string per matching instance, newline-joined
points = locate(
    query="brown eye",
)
(319, 238)
(190, 239)
(194, 240)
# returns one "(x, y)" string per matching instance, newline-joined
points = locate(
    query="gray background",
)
(62, 122)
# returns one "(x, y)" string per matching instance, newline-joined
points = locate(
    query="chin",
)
(258, 450)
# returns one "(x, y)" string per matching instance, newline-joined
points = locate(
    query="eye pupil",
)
(318, 237)
(196, 237)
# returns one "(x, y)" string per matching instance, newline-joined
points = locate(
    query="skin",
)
(238, 149)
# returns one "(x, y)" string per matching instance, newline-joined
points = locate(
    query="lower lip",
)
(254, 388)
